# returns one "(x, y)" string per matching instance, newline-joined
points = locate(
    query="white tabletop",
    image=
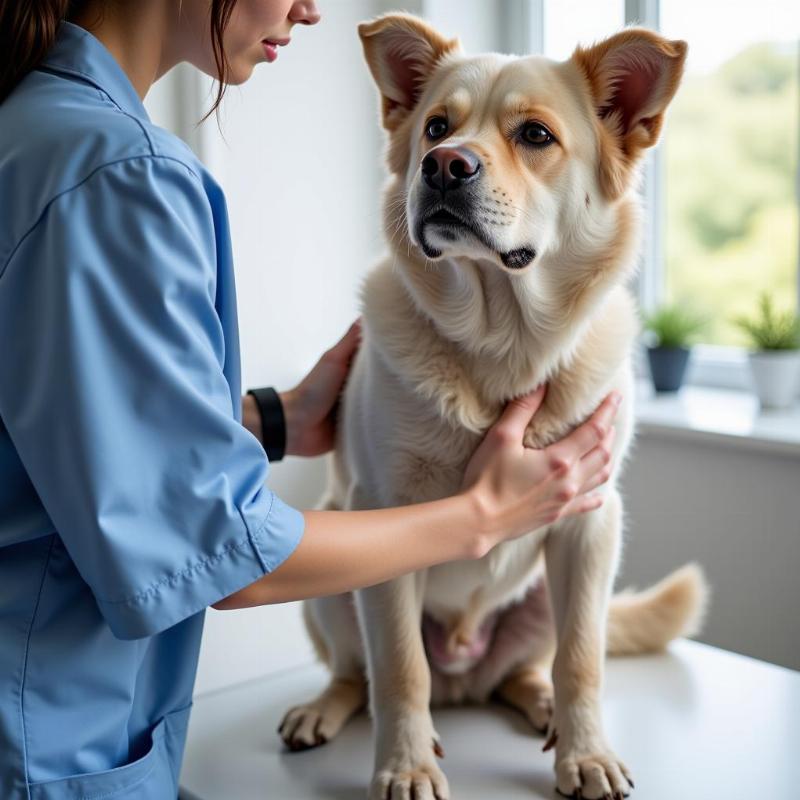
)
(696, 722)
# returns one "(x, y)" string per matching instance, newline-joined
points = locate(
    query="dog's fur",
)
(456, 324)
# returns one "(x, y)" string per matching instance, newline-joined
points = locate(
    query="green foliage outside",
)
(771, 329)
(673, 326)
(730, 170)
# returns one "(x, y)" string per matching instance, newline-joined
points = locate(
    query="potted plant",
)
(671, 329)
(775, 358)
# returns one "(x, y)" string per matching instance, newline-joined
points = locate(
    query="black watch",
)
(273, 421)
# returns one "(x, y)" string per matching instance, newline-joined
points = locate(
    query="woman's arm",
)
(343, 550)
(508, 490)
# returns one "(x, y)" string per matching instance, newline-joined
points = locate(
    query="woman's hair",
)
(28, 30)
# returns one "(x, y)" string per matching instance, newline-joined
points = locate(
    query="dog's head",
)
(515, 161)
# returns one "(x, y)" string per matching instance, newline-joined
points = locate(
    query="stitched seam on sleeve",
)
(251, 539)
(79, 184)
(173, 578)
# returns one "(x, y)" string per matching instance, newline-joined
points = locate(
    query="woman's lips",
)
(270, 51)
(271, 47)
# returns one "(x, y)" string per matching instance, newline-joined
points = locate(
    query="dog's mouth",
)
(449, 226)
(447, 218)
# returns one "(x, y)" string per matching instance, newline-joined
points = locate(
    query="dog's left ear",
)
(401, 51)
(633, 76)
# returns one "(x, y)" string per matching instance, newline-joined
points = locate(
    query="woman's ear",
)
(401, 51)
(632, 77)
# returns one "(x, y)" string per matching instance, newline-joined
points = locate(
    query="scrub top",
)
(131, 497)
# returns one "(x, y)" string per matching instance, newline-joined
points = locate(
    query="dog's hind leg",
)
(525, 638)
(582, 554)
(333, 629)
(530, 691)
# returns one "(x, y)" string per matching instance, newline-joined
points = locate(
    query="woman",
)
(132, 497)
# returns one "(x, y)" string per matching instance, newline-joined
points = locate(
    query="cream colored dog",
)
(512, 220)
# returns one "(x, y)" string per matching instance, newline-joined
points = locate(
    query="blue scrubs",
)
(131, 497)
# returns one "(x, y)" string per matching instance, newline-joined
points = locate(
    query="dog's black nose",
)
(447, 168)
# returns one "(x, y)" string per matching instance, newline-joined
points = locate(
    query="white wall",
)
(737, 512)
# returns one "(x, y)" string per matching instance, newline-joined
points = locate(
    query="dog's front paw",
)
(404, 778)
(597, 775)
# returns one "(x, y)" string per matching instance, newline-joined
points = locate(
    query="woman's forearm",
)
(345, 550)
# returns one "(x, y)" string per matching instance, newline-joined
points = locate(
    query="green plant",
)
(674, 325)
(771, 329)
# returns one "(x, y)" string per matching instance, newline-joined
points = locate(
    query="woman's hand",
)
(310, 408)
(519, 489)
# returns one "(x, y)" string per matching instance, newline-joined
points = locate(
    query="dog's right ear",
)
(401, 51)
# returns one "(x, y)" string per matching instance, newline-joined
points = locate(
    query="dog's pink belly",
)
(506, 638)
(463, 657)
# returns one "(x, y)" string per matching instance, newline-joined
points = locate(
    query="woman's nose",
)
(305, 12)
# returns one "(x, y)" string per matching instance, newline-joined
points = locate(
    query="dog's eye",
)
(436, 127)
(536, 134)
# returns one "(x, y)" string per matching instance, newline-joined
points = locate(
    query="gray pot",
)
(776, 376)
(668, 367)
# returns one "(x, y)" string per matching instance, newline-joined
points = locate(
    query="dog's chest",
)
(476, 588)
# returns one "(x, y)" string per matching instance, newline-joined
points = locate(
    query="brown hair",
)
(28, 30)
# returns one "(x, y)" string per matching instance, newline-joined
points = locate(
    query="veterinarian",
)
(132, 473)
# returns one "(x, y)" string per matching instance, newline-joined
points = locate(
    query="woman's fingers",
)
(583, 503)
(589, 435)
(591, 471)
(518, 413)
(594, 468)
(346, 347)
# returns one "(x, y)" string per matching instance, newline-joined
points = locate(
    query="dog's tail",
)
(644, 622)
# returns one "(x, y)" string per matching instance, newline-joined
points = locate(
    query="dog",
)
(513, 223)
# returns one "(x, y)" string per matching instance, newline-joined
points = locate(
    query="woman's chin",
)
(239, 74)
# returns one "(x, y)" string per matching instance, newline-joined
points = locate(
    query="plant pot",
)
(776, 376)
(668, 367)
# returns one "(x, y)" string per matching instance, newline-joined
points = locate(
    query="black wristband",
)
(273, 422)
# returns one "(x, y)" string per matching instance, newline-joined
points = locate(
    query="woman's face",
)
(255, 32)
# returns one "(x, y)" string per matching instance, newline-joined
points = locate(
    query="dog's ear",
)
(632, 76)
(401, 51)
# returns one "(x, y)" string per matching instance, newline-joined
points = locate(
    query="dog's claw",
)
(551, 742)
(438, 749)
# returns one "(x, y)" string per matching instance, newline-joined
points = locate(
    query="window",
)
(730, 207)
(568, 23)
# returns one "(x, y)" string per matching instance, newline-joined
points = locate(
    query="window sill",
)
(717, 416)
